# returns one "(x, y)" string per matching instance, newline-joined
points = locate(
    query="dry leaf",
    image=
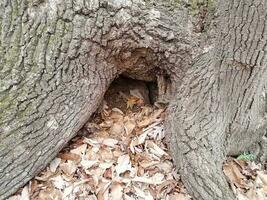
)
(263, 177)
(123, 165)
(105, 165)
(137, 141)
(110, 142)
(179, 196)
(59, 182)
(126, 159)
(158, 178)
(102, 192)
(117, 110)
(69, 167)
(91, 142)
(80, 150)
(106, 154)
(68, 192)
(132, 101)
(69, 156)
(252, 195)
(88, 163)
(116, 191)
(155, 149)
(117, 116)
(149, 120)
(144, 194)
(233, 173)
(54, 164)
(148, 163)
(165, 166)
(25, 194)
(127, 197)
(129, 126)
(117, 128)
(108, 173)
(155, 131)
(33, 186)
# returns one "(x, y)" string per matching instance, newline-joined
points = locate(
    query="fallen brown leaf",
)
(69, 156)
(232, 171)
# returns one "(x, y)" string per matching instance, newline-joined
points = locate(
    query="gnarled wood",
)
(220, 108)
(58, 57)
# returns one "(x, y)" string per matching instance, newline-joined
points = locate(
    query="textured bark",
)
(220, 108)
(58, 57)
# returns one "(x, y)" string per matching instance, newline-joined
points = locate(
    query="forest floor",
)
(120, 154)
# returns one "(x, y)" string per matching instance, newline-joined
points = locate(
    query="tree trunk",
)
(220, 107)
(57, 59)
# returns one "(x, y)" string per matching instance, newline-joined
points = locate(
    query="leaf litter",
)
(125, 157)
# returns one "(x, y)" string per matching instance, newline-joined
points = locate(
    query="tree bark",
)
(220, 107)
(57, 59)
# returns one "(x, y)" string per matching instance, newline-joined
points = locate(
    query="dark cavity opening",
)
(124, 92)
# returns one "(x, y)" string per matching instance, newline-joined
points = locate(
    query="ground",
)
(120, 154)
